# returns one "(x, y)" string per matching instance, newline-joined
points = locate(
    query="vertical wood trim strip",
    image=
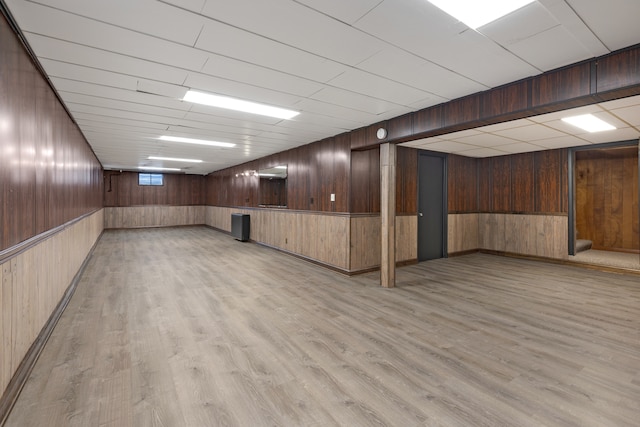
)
(388, 154)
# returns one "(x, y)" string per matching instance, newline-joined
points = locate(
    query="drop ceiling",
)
(122, 67)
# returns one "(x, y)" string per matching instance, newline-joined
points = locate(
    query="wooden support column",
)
(388, 215)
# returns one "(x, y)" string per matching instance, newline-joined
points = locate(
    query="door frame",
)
(571, 181)
(445, 201)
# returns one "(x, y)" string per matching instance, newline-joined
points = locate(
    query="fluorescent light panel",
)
(588, 122)
(175, 159)
(476, 13)
(238, 105)
(153, 168)
(196, 141)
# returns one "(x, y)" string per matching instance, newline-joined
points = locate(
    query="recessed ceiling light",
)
(153, 168)
(175, 159)
(238, 105)
(196, 141)
(476, 13)
(589, 122)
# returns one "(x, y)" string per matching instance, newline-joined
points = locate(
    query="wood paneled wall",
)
(32, 284)
(519, 183)
(48, 173)
(607, 198)
(122, 189)
(316, 236)
(314, 172)
(365, 241)
(153, 216)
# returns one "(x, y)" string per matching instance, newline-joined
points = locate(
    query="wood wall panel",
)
(569, 83)
(536, 235)
(619, 70)
(289, 231)
(48, 173)
(315, 171)
(462, 110)
(365, 241)
(512, 97)
(121, 189)
(462, 232)
(501, 184)
(485, 184)
(462, 184)
(429, 119)
(549, 184)
(153, 216)
(32, 284)
(407, 181)
(522, 183)
(607, 198)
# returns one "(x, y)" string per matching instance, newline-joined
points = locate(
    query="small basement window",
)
(150, 179)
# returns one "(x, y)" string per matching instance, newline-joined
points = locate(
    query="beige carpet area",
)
(608, 259)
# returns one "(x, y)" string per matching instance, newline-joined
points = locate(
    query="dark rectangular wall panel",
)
(501, 181)
(462, 184)
(522, 183)
(548, 181)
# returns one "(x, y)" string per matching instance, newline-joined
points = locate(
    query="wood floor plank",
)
(189, 327)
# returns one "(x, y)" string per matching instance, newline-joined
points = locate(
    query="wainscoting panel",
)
(463, 232)
(536, 235)
(32, 284)
(154, 216)
(348, 243)
(365, 241)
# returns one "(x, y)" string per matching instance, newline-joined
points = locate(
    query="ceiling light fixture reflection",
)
(238, 105)
(175, 159)
(196, 141)
(476, 13)
(589, 123)
(153, 168)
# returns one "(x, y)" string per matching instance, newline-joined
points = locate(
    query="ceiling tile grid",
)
(122, 68)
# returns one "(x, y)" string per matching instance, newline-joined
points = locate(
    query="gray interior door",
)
(431, 206)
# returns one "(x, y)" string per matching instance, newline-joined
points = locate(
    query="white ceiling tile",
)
(220, 86)
(448, 146)
(296, 25)
(561, 142)
(513, 124)
(169, 23)
(243, 72)
(520, 147)
(69, 27)
(606, 19)
(529, 133)
(353, 100)
(192, 5)
(402, 66)
(485, 140)
(536, 49)
(621, 103)
(86, 74)
(554, 117)
(575, 24)
(525, 22)
(378, 87)
(265, 52)
(623, 134)
(345, 11)
(481, 152)
(630, 115)
(89, 57)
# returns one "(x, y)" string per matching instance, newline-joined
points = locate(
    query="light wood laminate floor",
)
(188, 327)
